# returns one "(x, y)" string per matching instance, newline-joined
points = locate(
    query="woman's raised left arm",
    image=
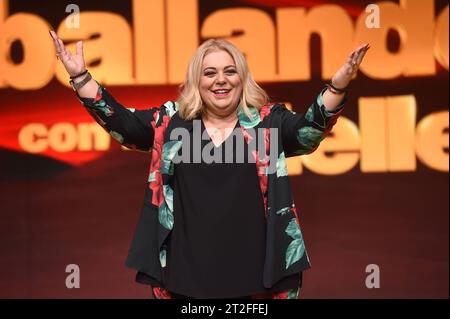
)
(302, 133)
(333, 97)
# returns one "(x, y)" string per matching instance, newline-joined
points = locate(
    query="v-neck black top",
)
(217, 245)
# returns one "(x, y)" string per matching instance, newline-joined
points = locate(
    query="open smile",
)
(221, 93)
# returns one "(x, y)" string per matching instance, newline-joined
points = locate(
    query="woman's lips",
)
(221, 95)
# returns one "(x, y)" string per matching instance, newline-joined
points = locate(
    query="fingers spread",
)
(55, 41)
(61, 47)
(80, 48)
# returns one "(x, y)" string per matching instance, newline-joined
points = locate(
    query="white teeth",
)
(221, 91)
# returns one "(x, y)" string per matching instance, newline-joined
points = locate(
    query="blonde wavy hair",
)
(190, 101)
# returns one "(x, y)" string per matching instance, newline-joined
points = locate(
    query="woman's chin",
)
(222, 105)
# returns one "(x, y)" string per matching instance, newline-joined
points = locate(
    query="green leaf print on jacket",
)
(283, 211)
(310, 114)
(296, 248)
(244, 120)
(309, 137)
(165, 216)
(169, 151)
(171, 108)
(292, 294)
(281, 166)
(168, 196)
(162, 257)
(117, 136)
(101, 105)
(166, 208)
(152, 177)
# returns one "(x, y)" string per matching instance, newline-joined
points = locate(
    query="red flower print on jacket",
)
(155, 180)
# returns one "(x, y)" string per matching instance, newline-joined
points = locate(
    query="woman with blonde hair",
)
(216, 224)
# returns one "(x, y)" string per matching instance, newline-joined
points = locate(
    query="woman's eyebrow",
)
(213, 68)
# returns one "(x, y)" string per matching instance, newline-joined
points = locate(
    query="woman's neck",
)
(219, 120)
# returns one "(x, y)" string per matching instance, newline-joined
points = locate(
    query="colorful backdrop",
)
(373, 199)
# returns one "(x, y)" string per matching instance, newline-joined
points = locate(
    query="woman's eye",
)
(227, 72)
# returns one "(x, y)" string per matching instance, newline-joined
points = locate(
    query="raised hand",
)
(344, 75)
(73, 63)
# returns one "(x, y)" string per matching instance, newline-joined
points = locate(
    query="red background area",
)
(81, 208)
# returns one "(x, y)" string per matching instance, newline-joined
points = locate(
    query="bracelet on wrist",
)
(79, 85)
(334, 89)
(78, 75)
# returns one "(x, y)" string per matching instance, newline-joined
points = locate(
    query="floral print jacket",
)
(149, 130)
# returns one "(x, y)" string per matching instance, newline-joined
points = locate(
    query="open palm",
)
(74, 63)
(344, 75)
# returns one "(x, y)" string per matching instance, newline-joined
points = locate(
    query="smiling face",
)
(220, 85)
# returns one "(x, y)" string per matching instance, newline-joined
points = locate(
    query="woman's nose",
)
(220, 78)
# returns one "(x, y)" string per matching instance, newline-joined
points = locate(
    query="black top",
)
(217, 245)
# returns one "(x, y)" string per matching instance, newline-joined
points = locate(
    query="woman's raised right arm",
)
(128, 126)
(74, 65)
